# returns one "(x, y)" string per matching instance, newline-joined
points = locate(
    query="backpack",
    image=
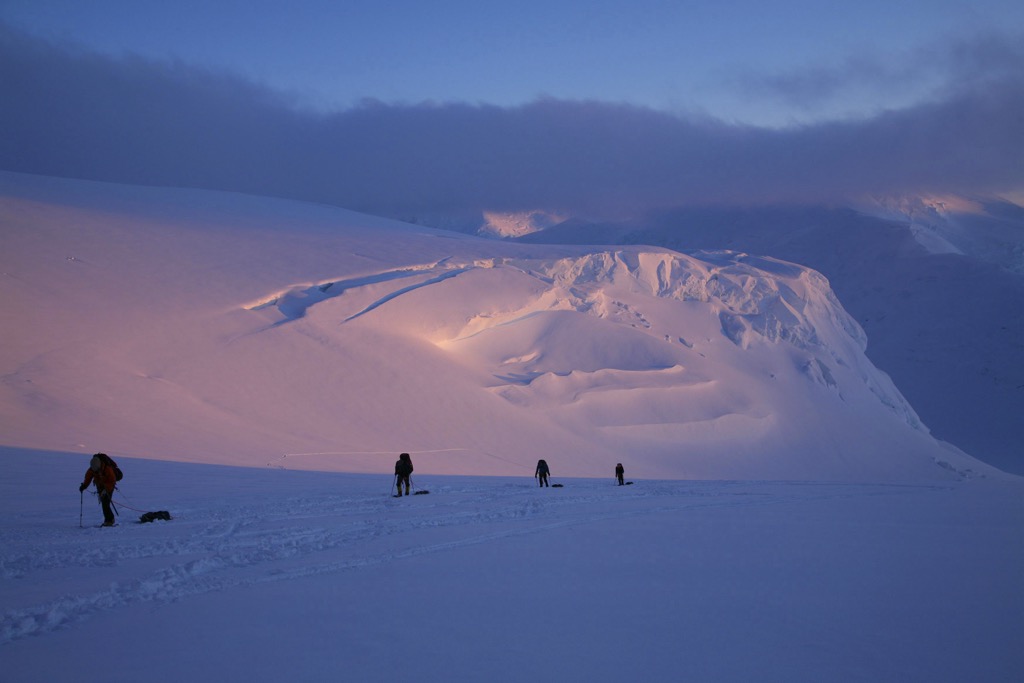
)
(107, 460)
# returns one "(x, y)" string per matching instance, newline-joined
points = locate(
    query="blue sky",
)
(580, 106)
(725, 59)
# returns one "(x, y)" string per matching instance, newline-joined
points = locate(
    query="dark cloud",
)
(926, 71)
(73, 113)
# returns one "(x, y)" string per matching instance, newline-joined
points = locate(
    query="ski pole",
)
(393, 482)
(81, 504)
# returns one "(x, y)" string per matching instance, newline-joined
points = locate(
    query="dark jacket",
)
(403, 466)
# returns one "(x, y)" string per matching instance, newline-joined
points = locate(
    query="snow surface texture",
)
(270, 575)
(219, 328)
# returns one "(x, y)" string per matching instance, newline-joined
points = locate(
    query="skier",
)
(620, 473)
(101, 471)
(542, 472)
(403, 469)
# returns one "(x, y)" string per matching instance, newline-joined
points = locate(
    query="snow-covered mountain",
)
(937, 283)
(517, 224)
(221, 329)
(987, 229)
(212, 327)
(497, 224)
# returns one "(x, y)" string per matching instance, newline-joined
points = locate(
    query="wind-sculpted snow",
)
(935, 282)
(191, 333)
(752, 294)
(294, 302)
(753, 298)
(625, 344)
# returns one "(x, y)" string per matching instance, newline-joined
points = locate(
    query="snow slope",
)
(210, 327)
(936, 284)
(270, 575)
(215, 343)
(987, 229)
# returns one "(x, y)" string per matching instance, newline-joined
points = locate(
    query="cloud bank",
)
(932, 71)
(70, 112)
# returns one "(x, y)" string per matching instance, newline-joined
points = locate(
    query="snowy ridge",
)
(517, 224)
(989, 229)
(755, 298)
(245, 329)
(946, 322)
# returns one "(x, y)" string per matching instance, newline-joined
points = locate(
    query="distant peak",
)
(519, 223)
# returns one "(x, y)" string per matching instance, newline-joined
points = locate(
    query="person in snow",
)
(101, 471)
(620, 473)
(403, 470)
(542, 472)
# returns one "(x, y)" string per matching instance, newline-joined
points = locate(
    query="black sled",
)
(152, 516)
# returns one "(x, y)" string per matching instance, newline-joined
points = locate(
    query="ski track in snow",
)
(291, 538)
